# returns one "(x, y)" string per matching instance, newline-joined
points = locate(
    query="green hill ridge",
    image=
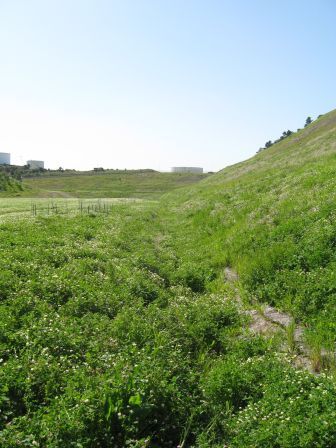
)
(148, 184)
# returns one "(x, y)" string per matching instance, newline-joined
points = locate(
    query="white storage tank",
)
(186, 169)
(4, 158)
(35, 164)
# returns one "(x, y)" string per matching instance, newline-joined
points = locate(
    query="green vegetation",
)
(120, 330)
(8, 184)
(308, 121)
(19, 208)
(106, 184)
(273, 219)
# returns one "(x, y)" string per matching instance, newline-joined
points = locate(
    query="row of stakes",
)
(54, 208)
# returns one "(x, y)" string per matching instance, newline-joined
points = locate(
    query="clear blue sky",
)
(159, 83)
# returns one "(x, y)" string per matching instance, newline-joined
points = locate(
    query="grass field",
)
(18, 208)
(114, 184)
(122, 329)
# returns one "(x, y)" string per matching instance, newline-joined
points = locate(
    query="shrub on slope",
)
(9, 184)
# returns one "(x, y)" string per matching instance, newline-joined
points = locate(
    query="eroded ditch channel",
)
(267, 321)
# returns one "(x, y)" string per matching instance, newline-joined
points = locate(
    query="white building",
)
(186, 169)
(4, 158)
(35, 164)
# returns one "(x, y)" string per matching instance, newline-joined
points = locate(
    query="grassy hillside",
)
(115, 184)
(273, 219)
(126, 330)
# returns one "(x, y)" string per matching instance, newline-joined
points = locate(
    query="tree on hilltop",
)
(308, 121)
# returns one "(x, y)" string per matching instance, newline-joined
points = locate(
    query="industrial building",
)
(4, 158)
(186, 169)
(35, 164)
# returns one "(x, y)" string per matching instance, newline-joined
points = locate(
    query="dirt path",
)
(268, 320)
